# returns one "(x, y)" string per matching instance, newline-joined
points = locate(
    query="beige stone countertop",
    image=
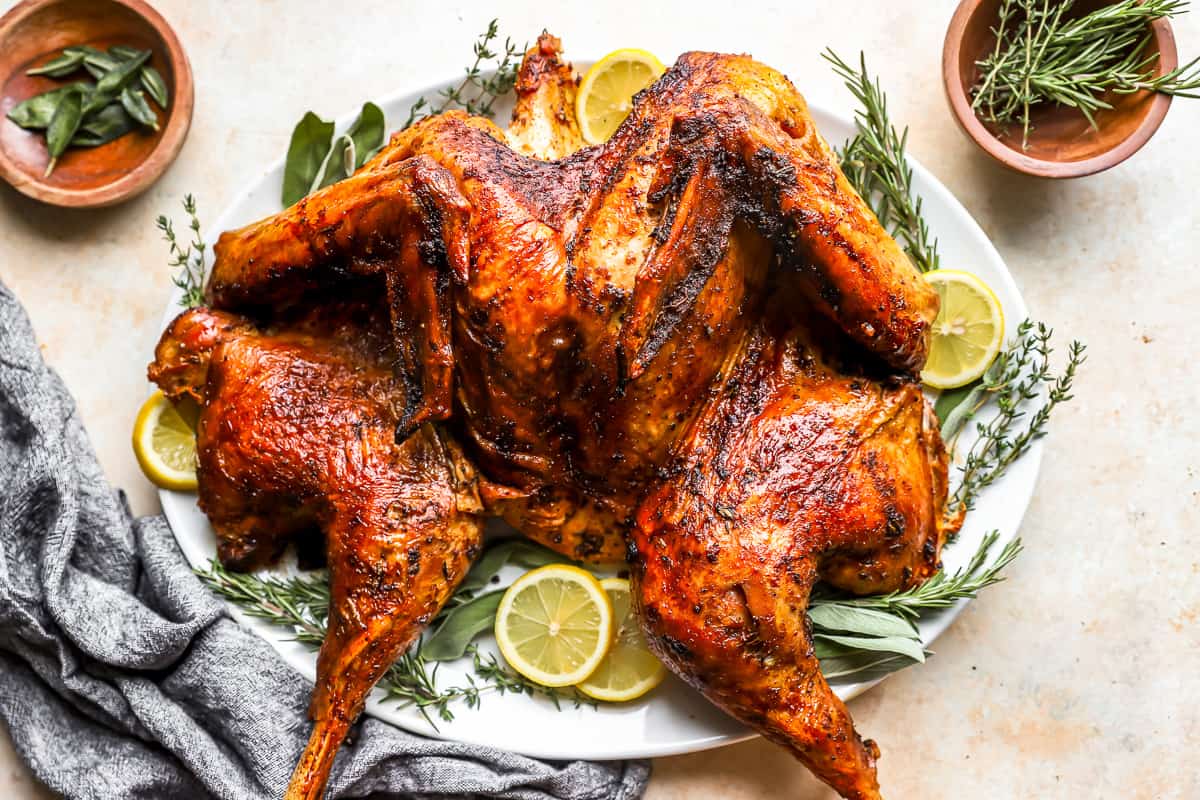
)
(1077, 678)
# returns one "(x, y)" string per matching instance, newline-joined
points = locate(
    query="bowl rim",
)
(960, 105)
(140, 177)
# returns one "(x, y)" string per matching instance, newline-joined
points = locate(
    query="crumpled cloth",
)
(121, 675)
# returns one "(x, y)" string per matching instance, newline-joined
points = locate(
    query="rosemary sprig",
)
(874, 162)
(477, 92)
(301, 604)
(188, 262)
(1024, 373)
(1042, 56)
(940, 591)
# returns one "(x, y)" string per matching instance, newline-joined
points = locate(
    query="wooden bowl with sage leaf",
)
(120, 131)
(1060, 141)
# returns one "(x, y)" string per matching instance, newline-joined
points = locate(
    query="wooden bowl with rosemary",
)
(113, 104)
(1096, 88)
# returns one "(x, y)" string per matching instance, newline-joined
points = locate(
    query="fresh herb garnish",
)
(1017, 386)
(187, 261)
(477, 92)
(863, 638)
(874, 161)
(301, 604)
(875, 164)
(1041, 56)
(316, 159)
(83, 114)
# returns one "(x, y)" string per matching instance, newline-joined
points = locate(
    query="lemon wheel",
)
(555, 625)
(968, 332)
(164, 443)
(630, 669)
(606, 93)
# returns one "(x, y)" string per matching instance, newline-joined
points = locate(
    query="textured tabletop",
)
(1076, 678)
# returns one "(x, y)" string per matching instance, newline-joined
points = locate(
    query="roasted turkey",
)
(692, 347)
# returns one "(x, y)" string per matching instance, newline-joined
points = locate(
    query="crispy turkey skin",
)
(693, 345)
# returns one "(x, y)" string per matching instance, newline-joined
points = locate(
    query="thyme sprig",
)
(301, 605)
(874, 162)
(187, 261)
(477, 92)
(1025, 378)
(1043, 56)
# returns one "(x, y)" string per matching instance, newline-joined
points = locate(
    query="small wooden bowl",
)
(32, 33)
(1062, 144)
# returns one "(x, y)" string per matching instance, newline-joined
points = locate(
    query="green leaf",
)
(36, 112)
(64, 64)
(99, 63)
(368, 133)
(531, 556)
(134, 102)
(118, 77)
(332, 168)
(94, 101)
(515, 551)
(111, 122)
(883, 644)
(63, 125)
(835, 617)
(460, 625)
(954, 407)
(311, 142)
(862, 666)
(124, 52)
(155, 86)
(350, 150)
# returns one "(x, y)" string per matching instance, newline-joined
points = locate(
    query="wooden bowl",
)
(1062, 144)
(32, 33)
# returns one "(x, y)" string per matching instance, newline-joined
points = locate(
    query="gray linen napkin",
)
(122, 677)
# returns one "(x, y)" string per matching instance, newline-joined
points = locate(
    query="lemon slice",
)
(606, 93)
(630, 669)
(165, 444)
(554, 625)
(968, 331)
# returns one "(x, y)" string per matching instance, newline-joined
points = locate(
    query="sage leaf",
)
(111, 122)
(124, 52)
(310, 144)
(94, 101)
(134, 102)
(96, 62)
(368, 134)
(35, 113)
(838, 618)
(460, 625)
(954, 407)
(99, 64)
(856, 667)
(152, 81)
(63, 125)
(884, 644)
(350, 150)
(116, 79)
(332, 167)
(515, 551)
(64, 64)
(531, 556)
